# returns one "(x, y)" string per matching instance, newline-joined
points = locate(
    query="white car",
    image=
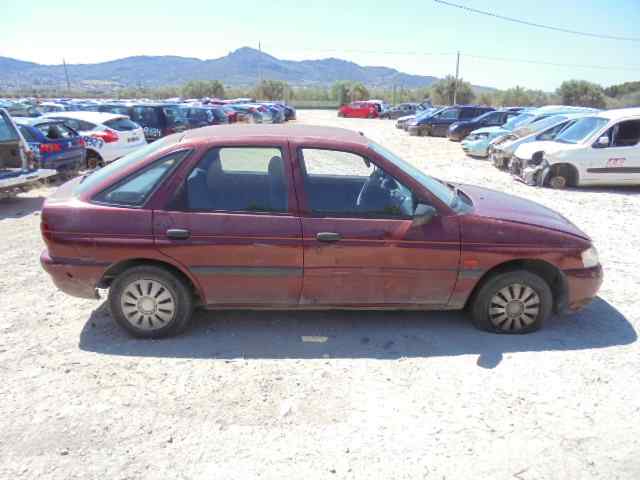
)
(108, 136)
(598, 149)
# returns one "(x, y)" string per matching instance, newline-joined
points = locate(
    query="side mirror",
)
(602, 142)
(423, 214)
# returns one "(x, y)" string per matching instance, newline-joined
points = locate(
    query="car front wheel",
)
(512, 302)
(150, 302)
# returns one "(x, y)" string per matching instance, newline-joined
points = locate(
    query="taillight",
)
(252, 109)
(81, 142)
(50, 148)
(108, 136)
(169, 130)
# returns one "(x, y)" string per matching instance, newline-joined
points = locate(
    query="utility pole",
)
(66, 74)
(455, 85)
(259, 64)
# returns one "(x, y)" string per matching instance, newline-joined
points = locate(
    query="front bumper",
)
(499, 158)
(582, 287)
(456, 136)
(75, 277)
(476, 148)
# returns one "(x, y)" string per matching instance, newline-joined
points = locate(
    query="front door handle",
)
(328, 237)
(178, 234)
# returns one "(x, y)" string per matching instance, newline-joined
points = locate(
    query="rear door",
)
(232, 224)
(62, 147)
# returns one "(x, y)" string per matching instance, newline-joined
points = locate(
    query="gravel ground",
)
(249, 395)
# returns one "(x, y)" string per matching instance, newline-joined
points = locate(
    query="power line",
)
(481, 57)
(539, 25)
(554, 64)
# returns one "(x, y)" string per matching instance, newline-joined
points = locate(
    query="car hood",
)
(526, 150)
(492, 204)
(491, 130)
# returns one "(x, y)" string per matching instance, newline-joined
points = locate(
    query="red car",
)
(359, 110)
(302, 217)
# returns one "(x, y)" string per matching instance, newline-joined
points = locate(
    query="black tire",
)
(483, 310)
(558, 181)
(93, 161)
(181, 295)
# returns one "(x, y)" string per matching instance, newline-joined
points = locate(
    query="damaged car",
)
(601, 149)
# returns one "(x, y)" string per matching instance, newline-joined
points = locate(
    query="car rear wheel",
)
(513, 302)
(93, 161)
(150, 302)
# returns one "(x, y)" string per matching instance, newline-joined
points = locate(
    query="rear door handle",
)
(178, 234)
(328, 237)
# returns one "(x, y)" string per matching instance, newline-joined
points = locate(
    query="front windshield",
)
(540, 125)
(437, 188)
(98, 176)
(518, 120)
(581, 130)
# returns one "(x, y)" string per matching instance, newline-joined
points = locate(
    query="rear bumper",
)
(65, 165)
(582, 287)
(75, 277)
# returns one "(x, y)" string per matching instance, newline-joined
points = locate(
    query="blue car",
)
(57, 146)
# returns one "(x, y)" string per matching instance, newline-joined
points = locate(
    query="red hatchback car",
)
(301, 217)
(362, 109)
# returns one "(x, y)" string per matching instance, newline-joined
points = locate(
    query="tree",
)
(340, 92)
(358, 92)
(272, 90)
(443, 91)
(515, 97)
(203, 88)
(582, 93)
(487, 98)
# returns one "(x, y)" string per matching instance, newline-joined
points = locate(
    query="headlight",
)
(590, 258)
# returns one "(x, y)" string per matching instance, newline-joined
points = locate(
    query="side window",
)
(55, 131)
(626, 134)
(450, 114)
(238, 179)
(7, 132)
(26, 133)
(134, 190)
(467, 113)
(494, 118)
(551, 133)
(345, 184)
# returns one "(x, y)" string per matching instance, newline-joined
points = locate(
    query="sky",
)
(413, 36)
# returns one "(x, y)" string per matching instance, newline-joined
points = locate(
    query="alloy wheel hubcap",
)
(148, 304)
(514, 307)
(558, 182)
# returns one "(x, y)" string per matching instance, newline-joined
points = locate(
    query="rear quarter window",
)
(121, 124)
(7, 132)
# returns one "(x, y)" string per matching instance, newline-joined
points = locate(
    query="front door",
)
(361, 247)
(618, 163)
(230, 225)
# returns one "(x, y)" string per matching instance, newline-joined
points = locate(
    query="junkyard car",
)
(156, 119)
(598, 149)
(58, 147)
(402, 110)
(542, 130)
(107, 136)
(19, 166)
(524, 126)
(403, 122)
(477, 142)
(459, 130)
(302, 217)
(438, 123)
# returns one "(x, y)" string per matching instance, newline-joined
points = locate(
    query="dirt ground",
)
(283, 395)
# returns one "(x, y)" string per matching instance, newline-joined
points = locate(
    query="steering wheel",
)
(382, 191)
(379, 186)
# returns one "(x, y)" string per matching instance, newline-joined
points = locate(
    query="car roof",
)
(618, 113)
(255, 132)
(32, 122)
(93, 117)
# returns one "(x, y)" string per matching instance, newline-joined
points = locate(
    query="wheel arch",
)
(117, 268)
(561, 168)
(551, 274)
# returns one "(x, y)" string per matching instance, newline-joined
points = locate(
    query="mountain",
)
(240, 67)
